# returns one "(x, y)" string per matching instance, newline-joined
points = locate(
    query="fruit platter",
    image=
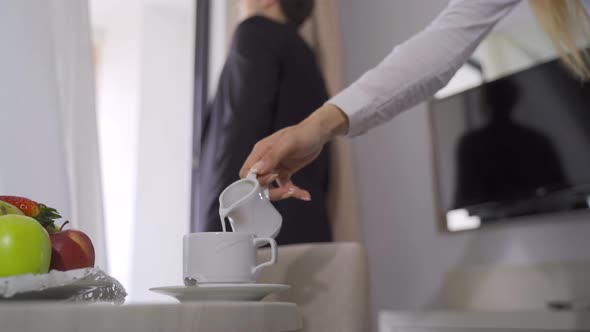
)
(41, 261)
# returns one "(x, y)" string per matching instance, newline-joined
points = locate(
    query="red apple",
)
(70, 249)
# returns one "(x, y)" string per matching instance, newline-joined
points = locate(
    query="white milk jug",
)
(247, 206)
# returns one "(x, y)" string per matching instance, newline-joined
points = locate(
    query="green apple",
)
(7, 208)
(24, 246)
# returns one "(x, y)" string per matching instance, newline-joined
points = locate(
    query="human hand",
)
(279, 156)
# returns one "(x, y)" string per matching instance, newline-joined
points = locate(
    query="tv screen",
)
(512, 147)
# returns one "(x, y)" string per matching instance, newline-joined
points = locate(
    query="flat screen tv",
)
(513, 147)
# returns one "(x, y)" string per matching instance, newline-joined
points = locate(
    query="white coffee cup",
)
(247, 206)
(225, 257)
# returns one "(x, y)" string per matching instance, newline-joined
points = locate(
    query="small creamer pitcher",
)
(247, 206)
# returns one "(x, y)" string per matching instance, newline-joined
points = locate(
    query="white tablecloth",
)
(193, 317)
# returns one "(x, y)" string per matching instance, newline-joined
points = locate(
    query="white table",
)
(193, 317)
(522, 321)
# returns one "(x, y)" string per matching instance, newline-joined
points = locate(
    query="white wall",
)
(409, 256)
(219, 39)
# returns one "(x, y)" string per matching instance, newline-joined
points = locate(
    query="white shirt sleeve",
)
(416, 69)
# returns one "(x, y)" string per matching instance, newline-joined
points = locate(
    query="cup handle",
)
(273, 258)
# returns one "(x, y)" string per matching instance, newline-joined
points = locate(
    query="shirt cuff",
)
(354, 103)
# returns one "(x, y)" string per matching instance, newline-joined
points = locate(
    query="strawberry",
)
(43, 214)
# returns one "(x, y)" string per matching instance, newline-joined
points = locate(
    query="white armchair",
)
(329, 283)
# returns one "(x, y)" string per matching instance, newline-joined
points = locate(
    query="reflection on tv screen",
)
(513, 147)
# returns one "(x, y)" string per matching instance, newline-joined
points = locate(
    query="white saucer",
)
(220, 292)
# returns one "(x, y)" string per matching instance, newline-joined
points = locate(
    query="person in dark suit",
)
(270, 81)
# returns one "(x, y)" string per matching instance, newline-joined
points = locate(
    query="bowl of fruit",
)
(41, 261)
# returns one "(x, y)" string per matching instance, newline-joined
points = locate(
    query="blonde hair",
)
(565, 21)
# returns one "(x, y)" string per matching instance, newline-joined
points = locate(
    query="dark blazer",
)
(270, 81)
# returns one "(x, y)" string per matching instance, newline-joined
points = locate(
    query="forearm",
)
(416, 69)
(329, 120)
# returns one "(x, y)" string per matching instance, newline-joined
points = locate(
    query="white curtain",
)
(32, 161)
(164, 150)
(75, 77)
(48, 126)
(144, 52)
